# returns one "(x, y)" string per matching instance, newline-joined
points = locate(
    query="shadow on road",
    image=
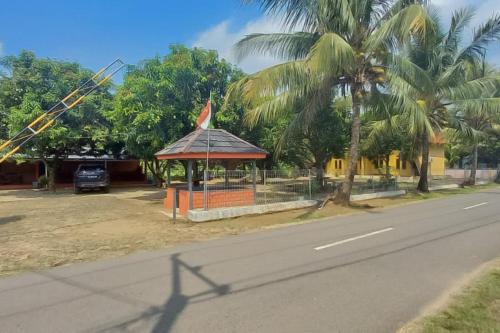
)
(176, 303)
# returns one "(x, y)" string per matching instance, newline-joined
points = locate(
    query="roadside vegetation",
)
(475, 309)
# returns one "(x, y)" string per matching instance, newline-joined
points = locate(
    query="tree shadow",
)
(177, 302)
(153, 195)
(9, 219)
(11, 195)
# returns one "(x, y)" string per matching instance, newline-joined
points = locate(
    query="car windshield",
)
(91, 168)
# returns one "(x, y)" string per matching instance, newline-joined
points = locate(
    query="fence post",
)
(264, 175)
(190, 183)
(174, 205)
(205, 190)
(254, 181)
(169, 173)
(310, 184)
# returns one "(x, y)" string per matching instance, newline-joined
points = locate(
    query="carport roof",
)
(223, 145)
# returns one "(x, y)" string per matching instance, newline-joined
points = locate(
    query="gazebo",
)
(208, 145)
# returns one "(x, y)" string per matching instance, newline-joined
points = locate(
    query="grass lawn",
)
(477, 309)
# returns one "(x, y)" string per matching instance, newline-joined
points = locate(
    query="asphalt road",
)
(370, 272)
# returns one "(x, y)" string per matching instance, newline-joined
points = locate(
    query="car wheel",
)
(105, 189)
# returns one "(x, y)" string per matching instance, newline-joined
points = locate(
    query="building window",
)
(340, 164)
(398, 163)
(336, 164)
(404, 164)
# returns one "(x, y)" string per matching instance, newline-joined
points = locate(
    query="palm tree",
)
(429, 80)
(341, 44)
(474, 123)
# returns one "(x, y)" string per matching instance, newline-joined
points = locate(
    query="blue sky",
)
(94, 32)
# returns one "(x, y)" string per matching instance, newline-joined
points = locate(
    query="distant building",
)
(398, 166)
(122, 169)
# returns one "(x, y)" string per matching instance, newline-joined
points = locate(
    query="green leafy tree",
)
(310, 146)
(342, 43)
(381, 146)
(32, 86)
(161, 98)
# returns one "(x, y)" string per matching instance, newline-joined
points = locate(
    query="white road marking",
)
(480, 204)
(353, 239)
(164, 213)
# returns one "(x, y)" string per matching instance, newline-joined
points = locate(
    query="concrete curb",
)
(230, 212)
(368, 196)
(443, 187)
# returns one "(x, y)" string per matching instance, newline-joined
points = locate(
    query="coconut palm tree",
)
(473, 124)
(429, 81)
(327, 44)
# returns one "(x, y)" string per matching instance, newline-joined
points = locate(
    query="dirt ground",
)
(40, 230)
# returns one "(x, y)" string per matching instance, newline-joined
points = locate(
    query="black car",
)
(91, 176)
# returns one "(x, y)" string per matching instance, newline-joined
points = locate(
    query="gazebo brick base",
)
(216, 199)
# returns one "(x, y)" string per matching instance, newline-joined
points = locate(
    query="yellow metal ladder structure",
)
(48, 118)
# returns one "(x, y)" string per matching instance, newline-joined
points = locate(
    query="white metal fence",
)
(230, 188)
(227, 188)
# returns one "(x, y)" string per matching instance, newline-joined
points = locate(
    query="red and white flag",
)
(204, 118)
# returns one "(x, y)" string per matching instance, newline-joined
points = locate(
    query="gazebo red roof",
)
(223, 145)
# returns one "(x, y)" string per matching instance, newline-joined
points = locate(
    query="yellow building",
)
(398, 167)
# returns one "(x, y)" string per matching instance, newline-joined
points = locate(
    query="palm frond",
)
(398, 29)
(483, 35)
(472, 89)
(270, 110)
(335, 16)
(402, 67)
(459, 20)
(287, 46)
(306, 110)
(331, 55)
(292, 75)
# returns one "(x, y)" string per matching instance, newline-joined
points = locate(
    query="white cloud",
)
(221, 38)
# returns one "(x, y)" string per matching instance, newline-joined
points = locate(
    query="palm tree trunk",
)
(473, 166)
(320, 172)
(343, 197)
(423, 184)
(387, 167)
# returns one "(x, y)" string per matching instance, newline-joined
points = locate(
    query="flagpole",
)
(208, 128)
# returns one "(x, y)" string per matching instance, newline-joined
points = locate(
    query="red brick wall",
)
(216, 199)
